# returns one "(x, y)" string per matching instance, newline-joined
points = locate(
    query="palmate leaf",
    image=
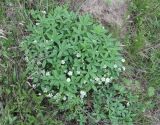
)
(151, 91)
(73, 57)
(85, 20)
(99, 30)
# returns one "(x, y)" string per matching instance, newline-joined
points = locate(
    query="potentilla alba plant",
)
(70, 56)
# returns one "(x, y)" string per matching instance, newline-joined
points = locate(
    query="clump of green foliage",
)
(27, 103)
(18, 103)
(143, 51)
(75, 62)
(143, 46)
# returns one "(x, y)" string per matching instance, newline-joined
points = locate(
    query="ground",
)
(108, 12)
(136, 24)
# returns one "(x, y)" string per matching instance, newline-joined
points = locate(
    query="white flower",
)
(85, 82)
(123, 60)
(97, 79)
(35, 41)
(91, 80)
(128, 16)
(44, 12)
(26, 58)
(70, 73)
(38, 63)
(37, 24)
(68, 79)
(49, 95)
(107, 80)
(115, 66)
(39, 94)
(123, 68)
(43, 72)
(128, 103)
(47, 41)
(78, 72)
(34, 86)
(78, 55)
(94, 41)
(10, 4)
(104, 66)
(119, 69)
(64, 98)
(82, 94)
(100, 83)
(62, 62)
(103, 79)
(57, 96)
(47, 73)
(41, 55)
(45, 90)
(65, 71)
(21, 23)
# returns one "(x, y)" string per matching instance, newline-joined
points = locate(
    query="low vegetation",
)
(60, 67)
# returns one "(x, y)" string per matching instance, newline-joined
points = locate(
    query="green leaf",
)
(151, 91)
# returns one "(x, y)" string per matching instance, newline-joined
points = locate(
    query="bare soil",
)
(108, 12)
